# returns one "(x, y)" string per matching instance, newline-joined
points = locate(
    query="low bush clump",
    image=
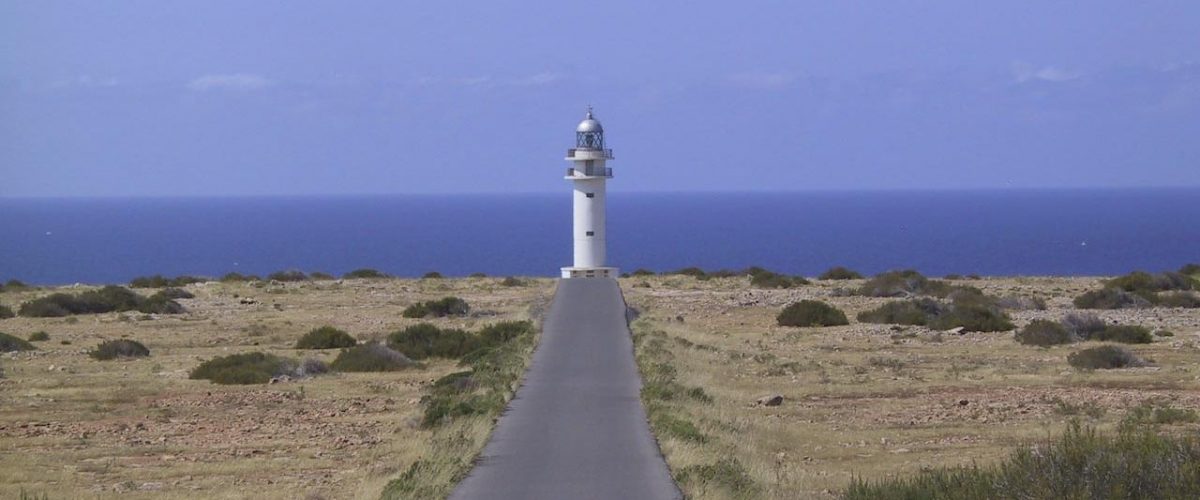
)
(13, 286)
(839, 273)
(239, 277)
(903, 312)
(424, 340)
(763, 278)
(288, 275)
(1111, 298)
(1105, 357)
(371, 357)
(1084, 326)
(1190, 270)
(1140, 281)
(6, 312)
(11, 343)
(447, 306)
(511, 281)
(1045, 333)
(1126, 334)
(366, 273)
(320, 276)
(432, 275)
(242, 369)
(902, 284)
(326, 337)
(811, 313)
(641, 272)
(39, 336)
(108, 299)
(969, 309)
(160, 281)
(121, 348)
(485, 389)
(665, 423)
(1187, 300)
(1158, 413)
(174, 293)
(1134, 463)
(726, 473)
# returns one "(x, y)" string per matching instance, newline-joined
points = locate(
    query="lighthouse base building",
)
(588, 176)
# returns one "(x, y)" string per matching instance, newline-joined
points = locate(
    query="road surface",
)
(576, 428)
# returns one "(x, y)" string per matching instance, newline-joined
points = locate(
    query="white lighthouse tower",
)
(588, 176)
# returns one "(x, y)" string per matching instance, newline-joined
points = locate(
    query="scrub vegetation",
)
(923, 394)
(335, 423)
(107, 299)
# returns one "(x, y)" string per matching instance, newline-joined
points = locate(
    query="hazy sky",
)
(233, 98)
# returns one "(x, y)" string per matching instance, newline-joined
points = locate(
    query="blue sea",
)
(1035, 232)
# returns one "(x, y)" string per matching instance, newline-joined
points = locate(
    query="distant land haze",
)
(1020, 232)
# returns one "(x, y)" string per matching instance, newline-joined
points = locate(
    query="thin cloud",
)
(761, 80)
(1025, 72)
(543, 78)
(237, 81)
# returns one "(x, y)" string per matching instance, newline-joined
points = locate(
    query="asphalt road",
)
(576, 428)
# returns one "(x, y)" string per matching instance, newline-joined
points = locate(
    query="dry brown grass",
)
(71, 426)
(878, 401)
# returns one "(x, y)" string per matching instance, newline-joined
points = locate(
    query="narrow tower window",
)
(591, 195)
(591, 233)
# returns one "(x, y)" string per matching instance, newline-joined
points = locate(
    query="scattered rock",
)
(770, 400)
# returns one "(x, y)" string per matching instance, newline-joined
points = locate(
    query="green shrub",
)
(174, 293)
(726, 473)
(424, 340)
(14, 286)
(1164, 333)
(1158, 413)
(811, 313)
(1111, 298)
(763, 278)
(447, 306)
(1139, 281)
(416, 310)
(160, 281)
(902, 283)
(247, 368)
(1135, 463)
(39, 336)
(504, 331)
(239, 277)
(694, 272)
(326, 337)
(839, 273)
(1084, 326)
(641, 272)
(366, 273)
(371, 357)
(1190, 270)
(511, 281)
(288, 275)
(108, 299)
(121, 348)
(972, 316)
(10, 343)
(1104, 357)
(432, 275)
(159, 304)
(320, 276)
(1126, 334)
(6, 312)
(907, 312)
(1045, 333)
(1187, 300)
(477, 275)
(666, 424)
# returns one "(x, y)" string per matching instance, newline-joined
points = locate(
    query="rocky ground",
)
(876, 400)
(72, 426)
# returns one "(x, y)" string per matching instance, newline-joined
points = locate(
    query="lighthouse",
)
(588, 176)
